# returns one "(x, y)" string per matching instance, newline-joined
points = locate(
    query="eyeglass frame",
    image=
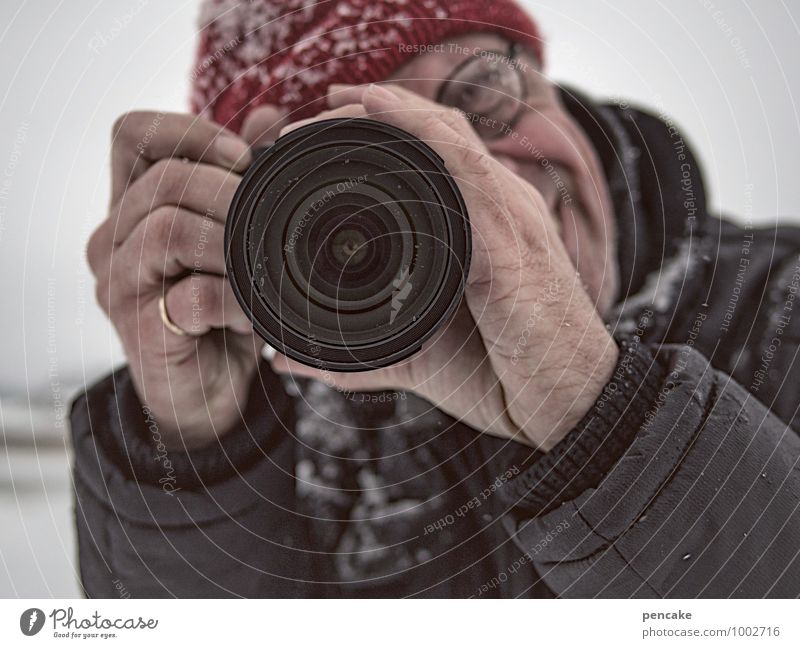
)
(512, 55)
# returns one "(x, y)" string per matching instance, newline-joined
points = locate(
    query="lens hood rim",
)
(242, 278)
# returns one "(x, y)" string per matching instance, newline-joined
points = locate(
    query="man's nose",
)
(538, 134)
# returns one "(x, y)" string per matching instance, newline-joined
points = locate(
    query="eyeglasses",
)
(490, 89)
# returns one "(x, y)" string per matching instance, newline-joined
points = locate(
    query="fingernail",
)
(381, 93)
(233, 151)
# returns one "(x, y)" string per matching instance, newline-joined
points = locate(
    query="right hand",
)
(173, 179)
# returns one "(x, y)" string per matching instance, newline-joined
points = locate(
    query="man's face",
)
(545, 147)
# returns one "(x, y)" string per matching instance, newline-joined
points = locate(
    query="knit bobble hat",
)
(287, 52)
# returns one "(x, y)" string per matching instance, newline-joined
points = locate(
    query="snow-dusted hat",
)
(287, 52)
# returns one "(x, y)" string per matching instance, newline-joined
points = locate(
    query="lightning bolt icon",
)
(34, 616)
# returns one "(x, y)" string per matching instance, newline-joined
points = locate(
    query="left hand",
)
(526, 355)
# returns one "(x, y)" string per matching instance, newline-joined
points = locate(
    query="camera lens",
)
(348, 244)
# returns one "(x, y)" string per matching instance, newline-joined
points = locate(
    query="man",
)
(609, 413)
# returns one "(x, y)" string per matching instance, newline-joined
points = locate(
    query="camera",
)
(348, 244)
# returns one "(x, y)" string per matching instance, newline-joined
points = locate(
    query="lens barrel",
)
(348, 244)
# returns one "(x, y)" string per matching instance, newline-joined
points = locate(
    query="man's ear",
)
(262, 125)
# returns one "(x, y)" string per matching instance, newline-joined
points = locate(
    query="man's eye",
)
(467, 95)
(480, 98)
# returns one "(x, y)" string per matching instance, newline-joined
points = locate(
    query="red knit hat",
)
(287, 52)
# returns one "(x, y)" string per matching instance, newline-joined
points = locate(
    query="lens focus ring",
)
(348, 244)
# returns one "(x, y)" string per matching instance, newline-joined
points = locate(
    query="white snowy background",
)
(724, 70)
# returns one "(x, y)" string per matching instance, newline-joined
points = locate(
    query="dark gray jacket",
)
(682, 481)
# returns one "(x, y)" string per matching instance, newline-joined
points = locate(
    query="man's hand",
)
(526, 355)
(173, 179)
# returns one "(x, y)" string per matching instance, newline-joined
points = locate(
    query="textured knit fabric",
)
(287, 52)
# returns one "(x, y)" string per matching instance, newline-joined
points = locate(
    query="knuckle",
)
(125, 124)
(471, 161)
(203, 292)
(167, 180)
(181, 293)
(477, 159)
(162, 226)
(119, 125)
(196, 295)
